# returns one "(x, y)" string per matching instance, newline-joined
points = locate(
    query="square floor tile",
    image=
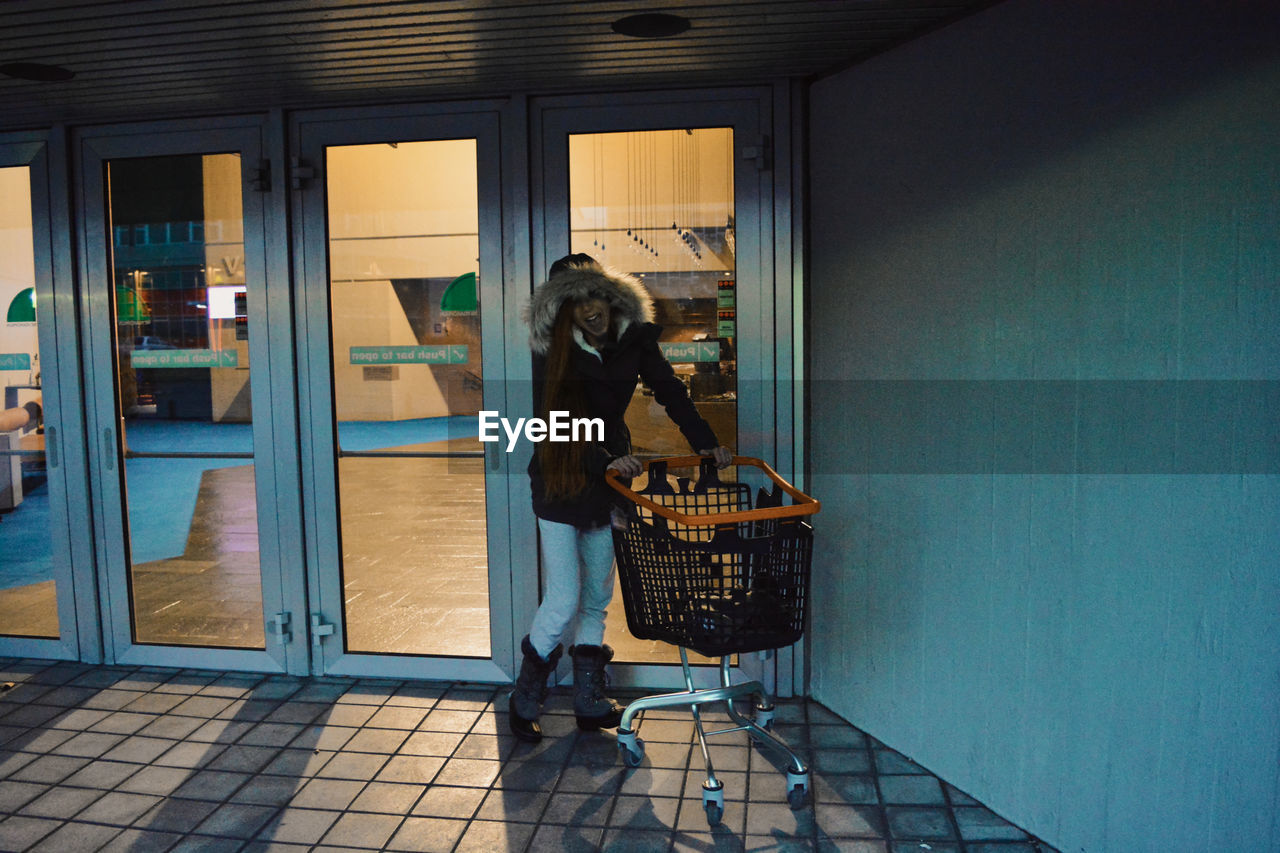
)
(88, 744)
(599, 779)
(644, 813)
(244, 758)
(320, 736)
(298, 762)
(527, 775)
(851, 790)
(779, 820)
(328, 793)
(352, 765)
(418, 769)
(578, 809)
(357, 829)
(236, 820)
(919, 823)
(428, 834)
(122, 723)
(629, 840)
(20, 832)
(119, 808)
(448, 801)
(176, 815)
(76, 837)
(61, 803)
(387, 798)
(136, 840)
(449, 720)
(398, 717)
(47, 769)
(911, 790)
(211, 785)
(432, 743)
(384, 741)
(471, 772)
(489, 836)
(514, 805)
(268, 790)
(299, 825)
(138, 749)
(550, 838)
(837, 820)
(101, 774)
(887, 761)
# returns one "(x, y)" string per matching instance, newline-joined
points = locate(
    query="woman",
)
(592, 336)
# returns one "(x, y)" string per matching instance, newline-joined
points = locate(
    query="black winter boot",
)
(530, 692)
(593, 709)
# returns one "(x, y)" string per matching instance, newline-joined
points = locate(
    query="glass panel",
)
(182, 343)
(404, 259)
(28, 597)
(659, 204)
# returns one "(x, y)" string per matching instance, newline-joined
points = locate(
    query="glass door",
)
(182, 410)
(401, 240)
(668, 193)
(38, 379)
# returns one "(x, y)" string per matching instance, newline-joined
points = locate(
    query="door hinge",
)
(279, 627)
(319, 628)
(260, 178)
(300, 173)
(761, 151)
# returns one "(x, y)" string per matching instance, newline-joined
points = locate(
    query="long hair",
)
(563, 463)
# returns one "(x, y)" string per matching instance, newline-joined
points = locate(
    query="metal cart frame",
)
(704, 570)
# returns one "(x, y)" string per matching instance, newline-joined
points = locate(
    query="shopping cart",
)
(703, 569)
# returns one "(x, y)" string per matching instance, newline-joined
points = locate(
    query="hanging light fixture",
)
(36, 72)
(651, 25)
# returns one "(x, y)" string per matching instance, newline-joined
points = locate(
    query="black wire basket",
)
(702, 568)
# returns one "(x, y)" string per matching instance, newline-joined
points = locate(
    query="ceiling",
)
(137, 59)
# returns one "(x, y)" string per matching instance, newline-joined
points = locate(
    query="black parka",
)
(609, 381)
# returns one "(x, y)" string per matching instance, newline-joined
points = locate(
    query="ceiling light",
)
(651, 25)
(37, 72)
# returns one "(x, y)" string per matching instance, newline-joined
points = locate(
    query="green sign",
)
(185, 358)
(23, 307)
(684, 352)
(441, 354)
(15, 361)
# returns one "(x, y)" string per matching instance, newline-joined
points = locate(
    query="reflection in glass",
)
(404, 263)
(660, 205)
(182, 354)
(28, 596)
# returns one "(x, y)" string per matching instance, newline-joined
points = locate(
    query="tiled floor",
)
(147, 759)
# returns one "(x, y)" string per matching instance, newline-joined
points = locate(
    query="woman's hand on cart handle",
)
(627, 466)
(722, 455)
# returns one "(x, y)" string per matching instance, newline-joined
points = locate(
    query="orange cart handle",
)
(804, 505)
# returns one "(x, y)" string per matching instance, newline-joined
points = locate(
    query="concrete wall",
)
(1044, 353)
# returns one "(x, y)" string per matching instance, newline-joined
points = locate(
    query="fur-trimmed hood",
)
(628, 299)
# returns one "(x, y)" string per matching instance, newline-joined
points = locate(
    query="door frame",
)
(77, 601)
(767, 350)
(270, 336)
(492, 124)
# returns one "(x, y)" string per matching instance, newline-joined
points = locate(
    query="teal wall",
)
(1044, 367)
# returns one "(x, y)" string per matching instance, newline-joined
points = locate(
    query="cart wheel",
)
(797, 788)
(632, 757)
(796, 797)
(713, 803)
